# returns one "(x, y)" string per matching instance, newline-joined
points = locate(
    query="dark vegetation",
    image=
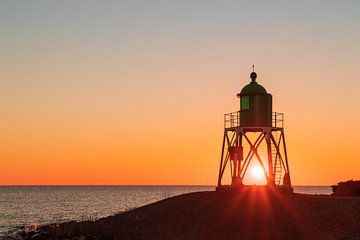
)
(348, 188)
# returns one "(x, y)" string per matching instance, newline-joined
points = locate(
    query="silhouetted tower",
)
(256, 117)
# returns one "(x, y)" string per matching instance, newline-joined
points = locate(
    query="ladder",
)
(276, 165)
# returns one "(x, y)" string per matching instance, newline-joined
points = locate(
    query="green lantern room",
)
(255, 105)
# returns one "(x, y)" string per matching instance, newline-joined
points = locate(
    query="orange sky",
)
(135, 93)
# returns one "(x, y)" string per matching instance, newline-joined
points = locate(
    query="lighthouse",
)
(254, 133)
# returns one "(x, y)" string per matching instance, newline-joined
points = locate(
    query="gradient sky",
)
(134, 92)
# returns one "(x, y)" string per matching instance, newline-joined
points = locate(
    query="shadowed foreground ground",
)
(251, 214)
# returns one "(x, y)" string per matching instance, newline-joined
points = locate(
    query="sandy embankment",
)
(251, 214)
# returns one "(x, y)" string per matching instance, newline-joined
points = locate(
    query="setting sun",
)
(257, 173)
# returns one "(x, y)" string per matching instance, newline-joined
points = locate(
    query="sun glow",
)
(257, 172)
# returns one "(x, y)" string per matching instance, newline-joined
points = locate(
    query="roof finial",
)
(253, 75)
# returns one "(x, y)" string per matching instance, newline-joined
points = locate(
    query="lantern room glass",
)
(245, 103)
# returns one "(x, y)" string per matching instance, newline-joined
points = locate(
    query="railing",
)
(232, 120)
(277, 120)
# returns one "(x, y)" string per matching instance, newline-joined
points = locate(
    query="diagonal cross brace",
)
(253, 149)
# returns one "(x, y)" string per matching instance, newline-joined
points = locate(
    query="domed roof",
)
(253, 88)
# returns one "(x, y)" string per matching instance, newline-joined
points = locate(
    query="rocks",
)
(22, 234)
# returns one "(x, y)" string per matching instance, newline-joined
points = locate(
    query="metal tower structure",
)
(255, 118)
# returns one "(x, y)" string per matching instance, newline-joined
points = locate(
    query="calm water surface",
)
(24, 205)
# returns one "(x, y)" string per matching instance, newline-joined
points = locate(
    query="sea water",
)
(29, 205)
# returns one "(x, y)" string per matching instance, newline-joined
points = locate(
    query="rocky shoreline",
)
(255, 213)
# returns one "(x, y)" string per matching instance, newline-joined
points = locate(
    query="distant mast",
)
(238, 149)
